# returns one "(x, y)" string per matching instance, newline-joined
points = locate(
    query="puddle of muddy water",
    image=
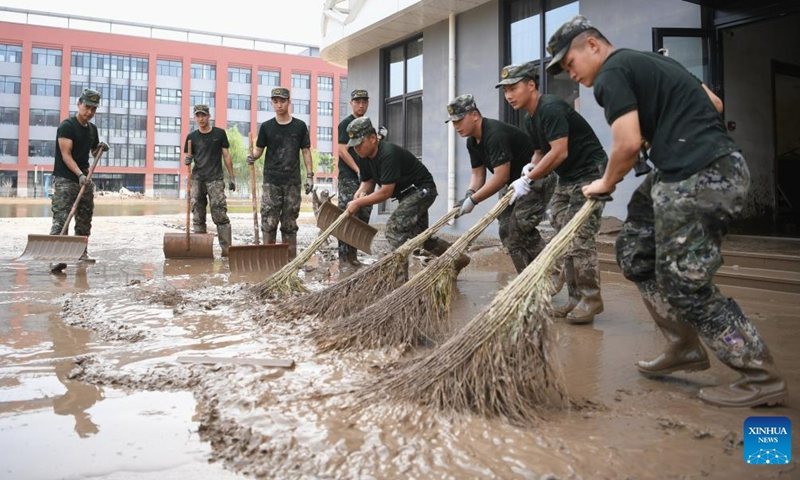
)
(122, 433)
(88, 367)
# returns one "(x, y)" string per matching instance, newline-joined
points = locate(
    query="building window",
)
(46, 56)
(198, 97)
(121, 125)
(265, 104)
(324, 134)
(124, 155)
(204, 72)
(269, 78)
(45, 87)
(9, 116)
(403, 78)
(100, 65)
(168, 124)
(526, 42)
(344, 98)
(10, 54)
(9, 147)
(42, 148)
(139, 98)
(43, 118)
(301, 107)
(165, 180)
(9, 84)
(325, 109)
(169, 68)
(167, 153)
(238, 101)
(239, 75)
(169, 96)
(243, 127)
(81, 63)
(301, 81)
(325, 84)
(139, 68)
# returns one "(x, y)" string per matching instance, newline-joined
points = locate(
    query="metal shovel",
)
(266, 259)
(61, 247)
(189, 245)
(352, 231)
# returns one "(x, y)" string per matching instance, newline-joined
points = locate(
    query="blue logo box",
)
(767, 440)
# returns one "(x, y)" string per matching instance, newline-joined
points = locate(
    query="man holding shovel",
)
(209, 144)
(76, 138)
(349, 171)
(564, 143)
(504, 150)
(402, 177)
(670, 243)
(284, 137)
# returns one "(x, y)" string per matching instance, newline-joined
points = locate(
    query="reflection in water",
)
(69, 342)
(11, 210)
(79, 279)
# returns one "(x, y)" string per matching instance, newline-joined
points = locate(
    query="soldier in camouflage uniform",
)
(349, 170)
(284, 137)
(503, 150)
(670, 244)
(567, 145)
(401, 176)
(76, 139)
(209, 145)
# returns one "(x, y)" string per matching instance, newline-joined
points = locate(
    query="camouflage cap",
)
(460, 106)
(281, 92)
(560, 42)
(202, 109)
(358, 129)
(511, 74)
(359, 93)
(90, 97)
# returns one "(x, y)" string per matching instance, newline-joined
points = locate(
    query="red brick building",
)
(148, 87)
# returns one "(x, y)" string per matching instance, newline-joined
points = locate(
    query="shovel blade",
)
(200, 245)
(54, 248)
(265, 259)
(352, 231)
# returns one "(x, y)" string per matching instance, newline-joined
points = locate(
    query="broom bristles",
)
(285, 280)
(416, 311)
(502, 362)
(365, 287)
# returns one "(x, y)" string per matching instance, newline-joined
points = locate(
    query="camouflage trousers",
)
(204, 193)
(581, 271)
(347, 188)
(672, 239)
(411, 217)
(280, 204)
(518, 222)
(64, 195)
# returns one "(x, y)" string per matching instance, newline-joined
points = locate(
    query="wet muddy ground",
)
(91, 386)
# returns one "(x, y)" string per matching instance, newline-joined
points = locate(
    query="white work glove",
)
(187, 160)
(251, 159)
(103, 146)
(466, 206)
(82, 180)
(522, 187)
(527, 169)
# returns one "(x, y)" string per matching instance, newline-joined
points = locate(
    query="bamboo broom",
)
(413, 312)
(352, 294)
(502, 362)
(285, 280)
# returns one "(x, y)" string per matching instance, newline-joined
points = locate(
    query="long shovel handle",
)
(253, 194)
(74, 209)
(188, 197)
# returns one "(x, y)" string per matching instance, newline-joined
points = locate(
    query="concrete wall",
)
(748, 52)
(629, 24)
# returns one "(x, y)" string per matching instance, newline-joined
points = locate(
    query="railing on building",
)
(118, 27)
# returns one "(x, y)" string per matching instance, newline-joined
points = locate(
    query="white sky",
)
(283, 20)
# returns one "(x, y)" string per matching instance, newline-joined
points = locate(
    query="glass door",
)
(694, 48)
